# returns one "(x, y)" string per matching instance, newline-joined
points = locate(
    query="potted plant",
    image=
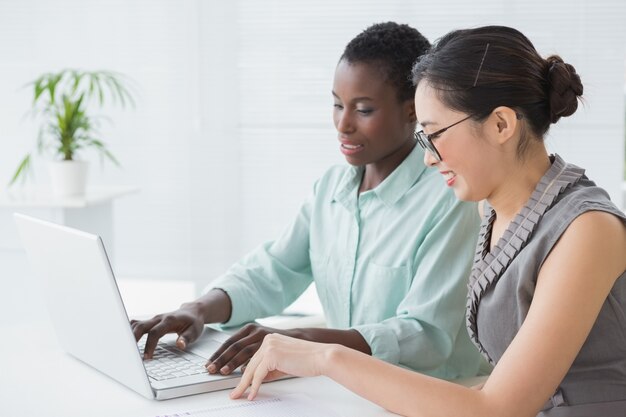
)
(61, 101)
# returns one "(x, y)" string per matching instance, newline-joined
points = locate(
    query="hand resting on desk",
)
(279, 356)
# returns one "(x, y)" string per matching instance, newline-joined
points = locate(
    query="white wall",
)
(233, 124)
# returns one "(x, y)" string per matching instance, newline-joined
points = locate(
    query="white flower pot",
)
(69, 178)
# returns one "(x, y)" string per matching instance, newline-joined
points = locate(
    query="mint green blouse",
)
(391, 262)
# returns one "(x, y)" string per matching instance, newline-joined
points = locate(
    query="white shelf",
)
(92, 212)
(41, 197)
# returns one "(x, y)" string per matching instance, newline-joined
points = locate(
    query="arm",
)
(263, 283)
(565, 306)
(272, 276)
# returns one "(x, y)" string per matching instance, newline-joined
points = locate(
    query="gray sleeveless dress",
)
(502, 284)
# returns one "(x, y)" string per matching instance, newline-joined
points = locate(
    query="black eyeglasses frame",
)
(426, 140)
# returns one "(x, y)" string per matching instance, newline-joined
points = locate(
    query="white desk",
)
(41, 380)
(38, 379)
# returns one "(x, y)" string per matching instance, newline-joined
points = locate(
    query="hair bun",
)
(564, 88)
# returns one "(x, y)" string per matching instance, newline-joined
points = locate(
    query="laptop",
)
(91, 323)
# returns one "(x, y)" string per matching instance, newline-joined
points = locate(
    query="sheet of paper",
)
(292, 405)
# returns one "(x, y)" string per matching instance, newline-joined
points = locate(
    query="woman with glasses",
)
(372, 237)
(547, 292)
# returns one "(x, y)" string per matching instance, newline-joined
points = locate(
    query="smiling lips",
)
(348, 149)
(449, 176)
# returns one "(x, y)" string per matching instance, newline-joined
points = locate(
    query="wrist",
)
(331, 357)
(197, 307)
(301, 334)
(212, 307)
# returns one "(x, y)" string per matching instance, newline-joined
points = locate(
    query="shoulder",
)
(336, 172)
(594, 242)
(332, 178)
(576, 206)
(584, 195)
(599, 231)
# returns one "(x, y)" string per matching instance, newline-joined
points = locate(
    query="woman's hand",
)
(188, 322)
(282, 355)
(238, 349)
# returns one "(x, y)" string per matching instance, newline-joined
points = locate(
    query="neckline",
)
(390, 190)
(537, 202)
(490, 263)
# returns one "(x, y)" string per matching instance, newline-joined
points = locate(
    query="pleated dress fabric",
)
(502, 284)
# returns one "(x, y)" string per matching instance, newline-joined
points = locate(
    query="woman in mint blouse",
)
(386, 242)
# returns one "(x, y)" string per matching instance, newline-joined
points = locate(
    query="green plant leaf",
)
(111, 157)
(63, 102)
(53, 81)
(76, 77)
(38, 88)
(21, 170)
(95, 76)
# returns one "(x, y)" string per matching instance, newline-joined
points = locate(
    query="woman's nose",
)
(344, 122)
(429, 159)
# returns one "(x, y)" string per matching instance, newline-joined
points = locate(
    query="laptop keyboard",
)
(169, 362)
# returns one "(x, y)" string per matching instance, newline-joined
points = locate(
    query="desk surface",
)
(38, 379)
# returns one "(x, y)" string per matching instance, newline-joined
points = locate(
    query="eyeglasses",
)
(426, 141)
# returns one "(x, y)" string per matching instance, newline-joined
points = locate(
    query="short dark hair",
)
(393, 48)
(511, 74)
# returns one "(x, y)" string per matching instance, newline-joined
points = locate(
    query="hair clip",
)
(481, 65)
